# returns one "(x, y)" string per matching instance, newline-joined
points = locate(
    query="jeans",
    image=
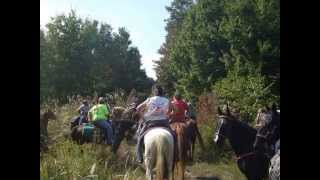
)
(82, 119)
(106, 127)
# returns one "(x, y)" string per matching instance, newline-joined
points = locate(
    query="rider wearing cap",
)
(99, 115)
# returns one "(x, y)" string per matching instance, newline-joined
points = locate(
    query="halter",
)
(219, 134)
(223, 116)
(266, 137)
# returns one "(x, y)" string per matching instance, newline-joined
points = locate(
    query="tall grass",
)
(66, 160)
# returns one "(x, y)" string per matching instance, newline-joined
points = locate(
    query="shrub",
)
(246, 89)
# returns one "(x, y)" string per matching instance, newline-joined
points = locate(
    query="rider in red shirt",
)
(178, 109)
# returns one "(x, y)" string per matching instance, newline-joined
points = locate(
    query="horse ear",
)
(267, 108)
(274, 107)
(228, 110)
(219, 111)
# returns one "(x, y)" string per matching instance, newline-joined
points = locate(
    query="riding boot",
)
(139, 150)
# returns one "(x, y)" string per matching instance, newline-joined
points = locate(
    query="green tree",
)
(214, 34)
(82, 57)
(165, 75)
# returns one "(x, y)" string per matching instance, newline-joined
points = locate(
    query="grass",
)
(222, 171)
(66, 160)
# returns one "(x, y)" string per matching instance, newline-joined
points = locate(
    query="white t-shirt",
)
(156, 108)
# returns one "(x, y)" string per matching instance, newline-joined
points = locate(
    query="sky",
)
(144, 19)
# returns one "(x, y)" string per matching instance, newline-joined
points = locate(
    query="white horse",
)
(158, 155)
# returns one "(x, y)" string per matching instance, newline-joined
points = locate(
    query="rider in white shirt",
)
(156, 114)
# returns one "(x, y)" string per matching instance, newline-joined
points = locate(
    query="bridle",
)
(245, 155)
(219, 134)
(242, 156)
(263, 136)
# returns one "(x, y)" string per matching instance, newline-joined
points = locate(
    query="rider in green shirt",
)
(99, 112)
(99, 115)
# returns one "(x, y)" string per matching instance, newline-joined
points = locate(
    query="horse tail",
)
(162, 169)
(180, 142)
(160, 166)
(181, 148)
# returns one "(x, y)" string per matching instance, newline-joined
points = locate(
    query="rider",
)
(178, 109)
(83, 111)
(155, 115)
(99, 114)
(262, 117)
(192, 113)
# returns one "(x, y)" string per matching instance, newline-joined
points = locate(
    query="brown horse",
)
(182, 146)
(117, 112)
(193, 133)
(44, 118)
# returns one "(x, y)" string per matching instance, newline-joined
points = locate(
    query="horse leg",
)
(192, 149)
(179, 170)
(149, 159)
(148, 163)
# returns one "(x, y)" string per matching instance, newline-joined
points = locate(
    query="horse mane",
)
(244, 125)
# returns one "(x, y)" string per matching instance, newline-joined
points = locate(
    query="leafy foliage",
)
(82, 56)
(231, 45)
(246, 89)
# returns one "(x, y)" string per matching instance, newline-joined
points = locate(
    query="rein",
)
(245, 155)
(262, 136)
(219, 134)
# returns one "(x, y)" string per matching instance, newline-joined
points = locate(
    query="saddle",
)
(92, 133)
(148, 125)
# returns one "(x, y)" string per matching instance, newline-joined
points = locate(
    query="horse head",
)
(131, 113)
(49, 114)
(117, 112)
(122, 129)
(224, 124)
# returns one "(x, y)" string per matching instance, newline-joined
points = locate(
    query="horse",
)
(117, 112)
(253, 164)
(269, 133)
(158, 153)
(182, 147)
(193, 133)
(121, 127)
(44, 119)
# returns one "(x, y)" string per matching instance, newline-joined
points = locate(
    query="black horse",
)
(269, 134)
(123, 128)
(253, 164)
